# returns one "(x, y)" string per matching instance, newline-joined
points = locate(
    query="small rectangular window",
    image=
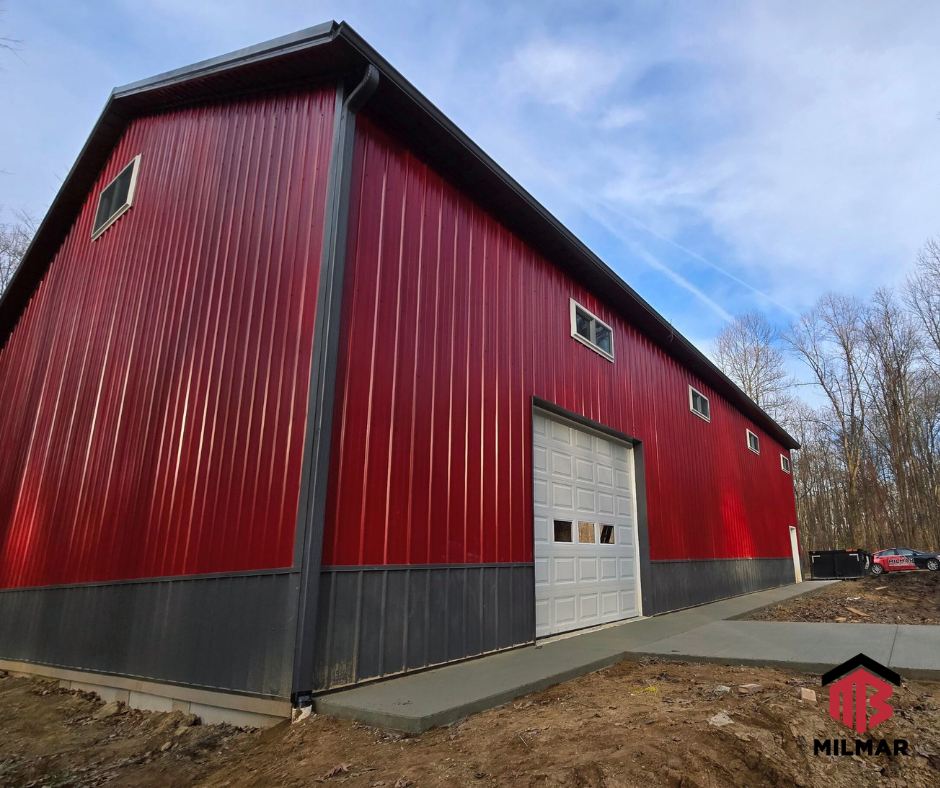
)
(590, 330)
(562, 530)
(698, 404)
(784, 463)
(116, 198)
(607, 534)
(753, 442)
(586, 533)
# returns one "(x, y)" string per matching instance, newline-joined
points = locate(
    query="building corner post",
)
(311, 511)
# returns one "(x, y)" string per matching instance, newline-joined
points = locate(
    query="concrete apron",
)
(708, 633)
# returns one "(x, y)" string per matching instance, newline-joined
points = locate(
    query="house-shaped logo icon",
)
(853, 678)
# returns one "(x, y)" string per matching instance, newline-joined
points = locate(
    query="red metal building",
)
(302, 389)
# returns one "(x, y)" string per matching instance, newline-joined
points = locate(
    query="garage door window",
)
(562, 530)
(586, 533)
(607, 534)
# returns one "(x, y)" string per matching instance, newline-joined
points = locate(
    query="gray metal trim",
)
(162, 579)
(409, 567)
(301, 39)
(642, 527)
(311, 511)
(686, 583)
(222, 633)
(380, 622)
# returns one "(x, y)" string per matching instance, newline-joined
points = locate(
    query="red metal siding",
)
(154, 392)
(453, 325)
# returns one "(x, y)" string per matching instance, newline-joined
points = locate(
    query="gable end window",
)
(116, 198)
(590, 330)
(698, 404)
(753, 442)
(784, 463)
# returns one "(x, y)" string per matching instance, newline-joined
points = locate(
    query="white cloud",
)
(621, 116)
(561, 73)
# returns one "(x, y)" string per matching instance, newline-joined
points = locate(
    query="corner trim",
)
(311, 510)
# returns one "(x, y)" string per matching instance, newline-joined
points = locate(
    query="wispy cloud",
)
(749, 156)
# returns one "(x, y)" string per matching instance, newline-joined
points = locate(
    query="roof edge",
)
(317, 34)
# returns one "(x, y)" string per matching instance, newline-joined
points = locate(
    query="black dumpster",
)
(839, 564)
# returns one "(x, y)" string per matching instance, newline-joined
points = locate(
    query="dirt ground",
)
(634, 724)
(892, 598)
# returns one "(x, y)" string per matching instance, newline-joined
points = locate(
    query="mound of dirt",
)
(893, 598)
(636, 724)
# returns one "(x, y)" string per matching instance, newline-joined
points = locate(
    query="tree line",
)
(868, 472)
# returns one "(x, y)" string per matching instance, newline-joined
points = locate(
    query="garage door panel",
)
(540, 493)
(541, 571)
(539, 458)
(563, 609)
(605, 503)
(563, 570)
(560, 432)
(605, 475)
(586, 500)
(542, 616)
(562, 496)
(587, 570)
(588, 606)
(624, 506)
(584, 470)
(626, 568)
(610, 603)
(561, 464)
(585, 481)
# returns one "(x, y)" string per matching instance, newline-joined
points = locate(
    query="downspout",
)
(311, 512)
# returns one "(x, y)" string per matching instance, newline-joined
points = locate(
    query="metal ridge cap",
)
(300, 39)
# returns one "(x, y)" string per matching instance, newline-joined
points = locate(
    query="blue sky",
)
(720, 156)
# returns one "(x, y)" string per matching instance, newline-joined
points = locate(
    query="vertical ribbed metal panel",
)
(154, 392)
(384, 620)
(456, 326)
(231, 632)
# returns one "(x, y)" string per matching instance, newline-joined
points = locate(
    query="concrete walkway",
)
(703, 634)
(420, 701)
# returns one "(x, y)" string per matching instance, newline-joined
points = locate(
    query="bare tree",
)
(830, 340)
(15, 238)
(748, 351)
(922, 296)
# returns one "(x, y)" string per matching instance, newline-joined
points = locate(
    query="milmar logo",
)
(849, 704)
(867, 673)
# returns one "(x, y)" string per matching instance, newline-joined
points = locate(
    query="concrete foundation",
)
(211, 707)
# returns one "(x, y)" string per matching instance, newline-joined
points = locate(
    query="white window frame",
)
(785, 463)
(574, 306)
(704, 417)
(756, 438)
(131, 189)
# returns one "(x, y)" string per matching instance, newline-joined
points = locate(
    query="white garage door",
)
(585, 534)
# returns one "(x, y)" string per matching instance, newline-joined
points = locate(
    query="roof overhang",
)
(334, 50)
